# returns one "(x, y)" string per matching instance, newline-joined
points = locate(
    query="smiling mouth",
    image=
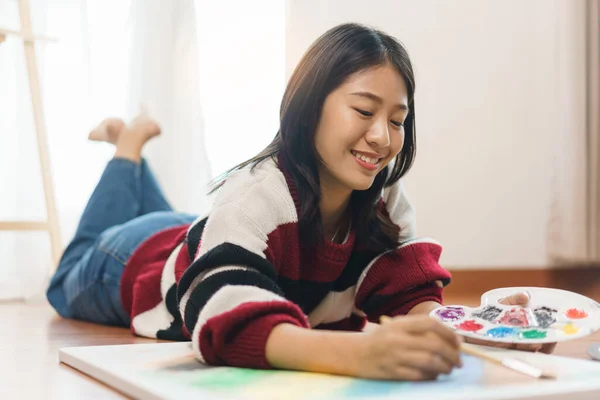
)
(369, 160)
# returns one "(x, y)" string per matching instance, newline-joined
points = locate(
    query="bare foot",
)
(143, 126)
(108, 130)
(135, 135)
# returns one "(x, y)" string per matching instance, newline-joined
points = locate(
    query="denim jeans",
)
(125, 209)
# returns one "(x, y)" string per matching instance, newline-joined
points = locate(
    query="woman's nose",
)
(379, 135)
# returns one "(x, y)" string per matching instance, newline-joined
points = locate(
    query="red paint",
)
(469, 326)
(574, 313)
(515, 317)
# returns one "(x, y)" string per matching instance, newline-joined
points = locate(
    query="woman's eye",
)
(363, 112)
(397, 123)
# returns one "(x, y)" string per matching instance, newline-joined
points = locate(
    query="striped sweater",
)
(226, 280)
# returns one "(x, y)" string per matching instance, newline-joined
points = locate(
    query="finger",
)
(548, 348)
(517, 299)
(404, 373)
(424, 324)
(488, 343)
(528, 347)
(426, 361)
(434, 345)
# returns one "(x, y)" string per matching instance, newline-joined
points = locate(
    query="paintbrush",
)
(507, 362)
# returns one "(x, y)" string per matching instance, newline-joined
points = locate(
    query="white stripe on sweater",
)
(167, 279)
(419, 240)
(334, 307)
(226, 299)
(150, 322)
(210, 272)
(218, 270)
(249, 206)
(400, 210)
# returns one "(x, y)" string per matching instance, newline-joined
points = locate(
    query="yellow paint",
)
(570, 329)
(295, 386)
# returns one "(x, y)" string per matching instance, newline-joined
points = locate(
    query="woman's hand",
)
(413, 348)
(517, 299)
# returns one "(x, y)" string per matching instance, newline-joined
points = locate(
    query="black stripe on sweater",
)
(309, 294)
(356, 265)
(225, 254)
(193, 237)
(209, 286)
(374, 303)
(306, 294)
(174, 332)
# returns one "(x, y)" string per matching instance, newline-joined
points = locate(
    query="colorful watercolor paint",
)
(551, 316)
(545, 316)
(502, 332)
(515, 317)
(570, 329)
(469, 326)
(489, 313)
(574, 313)
(533, 334)
(451, 313)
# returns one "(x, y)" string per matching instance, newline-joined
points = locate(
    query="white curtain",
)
(92, 73)
(71, 102)
(164, 76)
(212, 73)
(593, 125)
(574, 226)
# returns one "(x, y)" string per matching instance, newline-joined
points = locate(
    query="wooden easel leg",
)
(40, 128)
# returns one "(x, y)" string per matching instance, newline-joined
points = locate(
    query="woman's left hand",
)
(517, 299)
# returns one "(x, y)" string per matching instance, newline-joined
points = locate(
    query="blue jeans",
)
(125, 209)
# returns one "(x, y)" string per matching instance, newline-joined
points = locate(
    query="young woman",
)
(314, 232)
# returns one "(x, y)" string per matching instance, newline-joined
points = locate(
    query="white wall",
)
(242, 76)
(497, 88)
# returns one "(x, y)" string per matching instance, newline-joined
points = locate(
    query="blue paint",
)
(472, 373)
(502, 331)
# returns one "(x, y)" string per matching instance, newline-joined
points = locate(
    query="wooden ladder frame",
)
(51, 224)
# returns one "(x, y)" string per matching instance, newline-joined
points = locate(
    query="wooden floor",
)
(31, 335)
(29, 343)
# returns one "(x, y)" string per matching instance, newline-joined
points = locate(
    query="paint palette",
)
(552, 315)
(594, 351)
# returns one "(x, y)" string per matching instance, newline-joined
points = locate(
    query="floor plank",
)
(33, 333)
(29, 367)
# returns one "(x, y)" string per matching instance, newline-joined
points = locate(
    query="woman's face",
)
(360, 130)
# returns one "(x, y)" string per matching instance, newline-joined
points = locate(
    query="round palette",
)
(594, 351)
(552, 315)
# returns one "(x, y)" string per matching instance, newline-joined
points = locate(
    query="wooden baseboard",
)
(585, 281)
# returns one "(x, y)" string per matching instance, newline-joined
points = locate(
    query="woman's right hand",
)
(413, 348)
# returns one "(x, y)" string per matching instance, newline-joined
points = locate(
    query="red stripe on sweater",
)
(140, 282)
(238, 337)
(403, 302)
(282, 250)
(401, 269)
(285, 255)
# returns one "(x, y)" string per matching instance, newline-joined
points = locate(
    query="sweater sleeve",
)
(397, 280)
(228, 298)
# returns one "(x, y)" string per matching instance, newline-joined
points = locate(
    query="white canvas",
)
(170, 371)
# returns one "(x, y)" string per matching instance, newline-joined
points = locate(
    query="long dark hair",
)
(340, 52)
